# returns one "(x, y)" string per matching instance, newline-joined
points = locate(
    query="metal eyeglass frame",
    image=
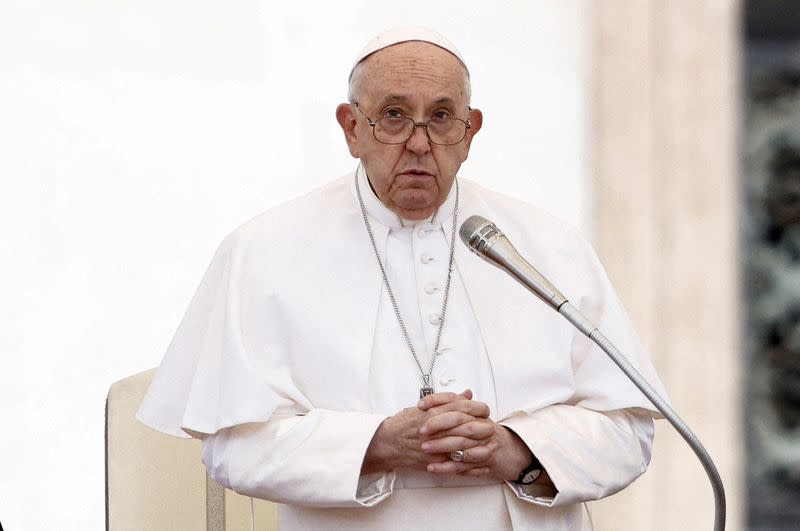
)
(372, 123)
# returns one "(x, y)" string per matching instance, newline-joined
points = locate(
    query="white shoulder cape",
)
(284, 318)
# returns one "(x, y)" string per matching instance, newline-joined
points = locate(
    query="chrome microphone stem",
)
(500, 252)
(587, 328)
(485, 239)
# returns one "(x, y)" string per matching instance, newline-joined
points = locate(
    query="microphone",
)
(485, 239)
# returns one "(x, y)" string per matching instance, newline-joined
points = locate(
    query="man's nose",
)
(419, 142)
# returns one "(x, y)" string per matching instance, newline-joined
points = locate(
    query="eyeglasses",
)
(396, 128)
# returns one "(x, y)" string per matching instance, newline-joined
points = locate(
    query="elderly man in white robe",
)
(375, 375)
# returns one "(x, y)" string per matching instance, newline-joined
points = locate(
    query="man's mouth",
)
(417, 172)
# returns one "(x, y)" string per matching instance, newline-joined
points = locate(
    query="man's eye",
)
(393, 114)
(441, 115)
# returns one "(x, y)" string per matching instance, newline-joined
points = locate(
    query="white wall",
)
(135, 134)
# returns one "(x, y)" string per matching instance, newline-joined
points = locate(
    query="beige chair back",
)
(158, 482)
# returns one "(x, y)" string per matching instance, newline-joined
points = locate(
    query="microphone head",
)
(476, 231)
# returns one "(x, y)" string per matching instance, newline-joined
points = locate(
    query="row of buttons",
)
(432, 288)
(445, 380)
(426, 258)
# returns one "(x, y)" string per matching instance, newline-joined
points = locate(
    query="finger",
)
(445, 421)
(473, 407)
(479, 472)
(448, 444)
(475, 457)
(480, 453)
(437, 399)
(452, 467)
(478, 430)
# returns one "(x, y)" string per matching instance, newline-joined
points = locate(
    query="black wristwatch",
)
(531, 472)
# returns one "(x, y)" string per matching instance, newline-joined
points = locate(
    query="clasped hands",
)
(422, 437)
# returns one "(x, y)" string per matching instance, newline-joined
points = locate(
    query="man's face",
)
(418, 80)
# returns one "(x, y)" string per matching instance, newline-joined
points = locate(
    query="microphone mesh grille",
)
(470, 227)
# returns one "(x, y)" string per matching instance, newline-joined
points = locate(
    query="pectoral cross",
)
(425, 391)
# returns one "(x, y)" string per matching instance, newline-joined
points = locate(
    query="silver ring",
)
(458, 455)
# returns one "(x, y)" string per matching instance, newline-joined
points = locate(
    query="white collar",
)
(380, 212)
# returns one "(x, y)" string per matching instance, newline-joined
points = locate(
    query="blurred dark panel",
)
(772, 20)
(771, 224)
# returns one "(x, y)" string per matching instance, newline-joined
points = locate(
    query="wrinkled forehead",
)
(411, 70)
(413, 55)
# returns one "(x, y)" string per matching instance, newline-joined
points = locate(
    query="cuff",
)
(349, 435)
(374, 488)
(587, 454)
(543, 495)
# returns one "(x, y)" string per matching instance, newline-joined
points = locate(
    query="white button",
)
(434, 319)
(442, 350)
(421, 232)
(431, 288)
(446, 380)
(426, 258)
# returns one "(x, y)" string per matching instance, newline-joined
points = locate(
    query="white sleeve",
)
(587, 454)
(312, 459)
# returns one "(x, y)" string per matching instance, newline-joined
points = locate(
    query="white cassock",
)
(290, 356)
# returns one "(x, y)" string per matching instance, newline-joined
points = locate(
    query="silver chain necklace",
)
(427, 388)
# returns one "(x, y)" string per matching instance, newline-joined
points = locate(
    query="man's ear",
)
(475, 123)
(347, 121)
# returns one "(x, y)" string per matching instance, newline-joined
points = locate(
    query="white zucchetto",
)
(406, 34)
